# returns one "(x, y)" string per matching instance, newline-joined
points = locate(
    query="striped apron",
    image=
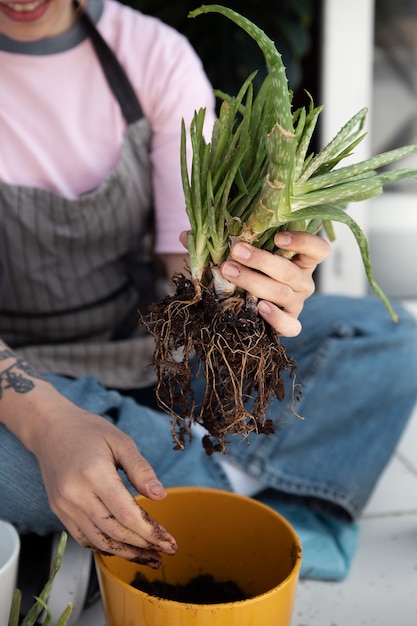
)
(74, 272)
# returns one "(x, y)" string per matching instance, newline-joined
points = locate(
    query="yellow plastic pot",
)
(220, 533)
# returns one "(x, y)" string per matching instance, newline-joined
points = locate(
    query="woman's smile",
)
(24, 11)
(35, 19)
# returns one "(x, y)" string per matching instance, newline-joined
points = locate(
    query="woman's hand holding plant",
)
(281, 284)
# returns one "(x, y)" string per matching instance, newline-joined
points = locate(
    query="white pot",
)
(9, 561)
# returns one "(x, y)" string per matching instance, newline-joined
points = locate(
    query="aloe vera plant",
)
(255, 177)
(41, 602)
(300, 190)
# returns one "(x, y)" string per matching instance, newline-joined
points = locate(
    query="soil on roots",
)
(227, 342)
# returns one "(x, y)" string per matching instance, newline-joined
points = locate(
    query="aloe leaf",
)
(337, 215)
(14, 614)
(43, 604)
(276, 70)
(351, 171)
(393, 176)
(345, 192)
(220, 162)
(31, 617)
(350, 130)
(219, 135)
(236, 150)
(305, 140)
(329, 230)
(275, 194)
(354, 190)
(196, 190)
(185, 178)
(65, 616)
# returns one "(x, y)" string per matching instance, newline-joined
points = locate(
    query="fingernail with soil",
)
(169, 547)
(156, 488)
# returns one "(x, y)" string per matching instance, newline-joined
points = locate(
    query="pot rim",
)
(102, 565)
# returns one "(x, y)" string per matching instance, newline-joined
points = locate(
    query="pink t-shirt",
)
(61, 128)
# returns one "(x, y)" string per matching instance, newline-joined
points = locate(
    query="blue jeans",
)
(358, 372)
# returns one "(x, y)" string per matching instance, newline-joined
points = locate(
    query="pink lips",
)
(28, 15)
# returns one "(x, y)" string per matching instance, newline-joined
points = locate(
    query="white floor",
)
(381, 588)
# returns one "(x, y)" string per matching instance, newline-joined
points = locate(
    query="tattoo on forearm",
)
(16, 375)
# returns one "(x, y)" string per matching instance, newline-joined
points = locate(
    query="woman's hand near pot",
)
(79, 455)
(86, 492)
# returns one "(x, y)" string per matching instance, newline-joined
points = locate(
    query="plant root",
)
(227, 342)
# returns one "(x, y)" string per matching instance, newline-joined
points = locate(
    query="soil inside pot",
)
(202, 589)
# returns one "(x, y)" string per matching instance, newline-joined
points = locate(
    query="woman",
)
(90, 109)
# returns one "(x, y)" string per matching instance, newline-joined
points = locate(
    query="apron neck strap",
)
(113, 70)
